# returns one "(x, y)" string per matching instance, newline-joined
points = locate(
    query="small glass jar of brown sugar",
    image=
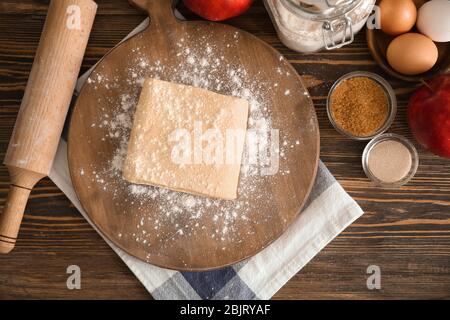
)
(390, 160)
(361, 105)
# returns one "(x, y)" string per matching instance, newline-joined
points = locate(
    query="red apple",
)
(429, 115)
(218, 10)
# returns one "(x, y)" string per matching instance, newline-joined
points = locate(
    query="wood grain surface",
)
(405, 232)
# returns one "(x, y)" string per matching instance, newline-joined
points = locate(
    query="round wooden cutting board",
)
(177, 230)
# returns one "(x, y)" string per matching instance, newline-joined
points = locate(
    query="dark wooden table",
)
(405, 232)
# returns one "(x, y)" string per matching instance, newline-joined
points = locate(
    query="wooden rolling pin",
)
(44, 106)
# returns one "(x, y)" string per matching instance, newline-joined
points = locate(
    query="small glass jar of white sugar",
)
(312, 25)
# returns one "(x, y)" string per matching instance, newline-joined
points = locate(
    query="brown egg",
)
(412, 53)
(397, 16)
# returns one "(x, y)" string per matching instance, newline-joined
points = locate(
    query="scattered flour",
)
(182, 215)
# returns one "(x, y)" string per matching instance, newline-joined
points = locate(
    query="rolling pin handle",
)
(22, 181)
(11, 217)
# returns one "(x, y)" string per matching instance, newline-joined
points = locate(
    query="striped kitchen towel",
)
(328, 212)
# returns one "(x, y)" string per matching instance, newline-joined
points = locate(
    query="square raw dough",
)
(187, 139)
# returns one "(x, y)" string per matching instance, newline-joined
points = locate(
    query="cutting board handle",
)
(160, 11)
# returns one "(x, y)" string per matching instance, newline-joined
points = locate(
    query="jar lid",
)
(320, 9)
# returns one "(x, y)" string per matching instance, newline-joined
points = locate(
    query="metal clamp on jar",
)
(311, 25)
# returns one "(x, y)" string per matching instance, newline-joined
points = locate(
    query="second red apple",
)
(218, 10)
